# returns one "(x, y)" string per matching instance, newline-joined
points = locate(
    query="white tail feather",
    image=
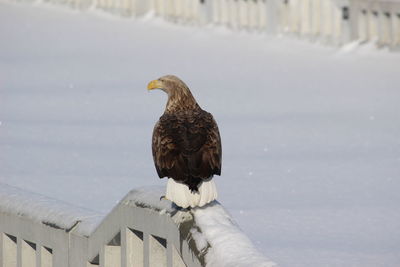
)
(181, 195)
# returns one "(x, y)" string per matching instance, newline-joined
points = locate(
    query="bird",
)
(186, 146)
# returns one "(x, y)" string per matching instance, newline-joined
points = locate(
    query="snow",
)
(311, 134)
(46, 210)
(229, 246)
(199, 238)
(149, 197)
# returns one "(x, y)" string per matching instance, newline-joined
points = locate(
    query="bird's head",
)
(179, 95)
(169, 84)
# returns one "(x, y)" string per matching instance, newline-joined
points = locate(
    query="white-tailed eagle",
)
(186, 146)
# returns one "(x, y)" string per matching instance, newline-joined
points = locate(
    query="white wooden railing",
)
(329, 21)
(141, 231)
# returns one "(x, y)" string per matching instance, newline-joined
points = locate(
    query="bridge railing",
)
(141, 230)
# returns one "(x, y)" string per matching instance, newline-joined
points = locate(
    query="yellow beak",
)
(156, 84)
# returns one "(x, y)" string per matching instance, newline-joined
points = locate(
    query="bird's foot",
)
(182, 209)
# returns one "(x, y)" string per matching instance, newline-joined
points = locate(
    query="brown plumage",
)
(186, 142)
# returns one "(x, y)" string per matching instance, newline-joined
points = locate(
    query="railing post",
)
(10, 250)
(112, 256)
(337, 24)
(19, 252)
(46, 257)
(304, 17)
(272, 15)
(372, 25)
(396, 29)
(1, 250)
(315, 17)
(157, 251)
(132, 248)
(124, 248)
(38, 255)
(292, 19)
(224, 12)
(28, 254)
(146, 249)
(262, 15)
(169, 254)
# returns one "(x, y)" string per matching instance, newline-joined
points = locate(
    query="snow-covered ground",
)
(311, 134)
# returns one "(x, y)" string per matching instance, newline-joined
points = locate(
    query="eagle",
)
(186, 146)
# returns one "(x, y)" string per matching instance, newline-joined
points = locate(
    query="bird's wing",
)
(187, 148)
(165, 147)
(203, 149)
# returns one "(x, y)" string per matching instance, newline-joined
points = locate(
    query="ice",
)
(310, 105)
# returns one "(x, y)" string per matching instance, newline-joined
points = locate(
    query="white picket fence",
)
(329, 21)
(141, 231)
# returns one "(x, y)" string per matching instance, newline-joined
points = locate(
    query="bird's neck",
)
(181, 101)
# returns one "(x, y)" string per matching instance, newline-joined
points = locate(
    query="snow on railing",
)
(141, 230)
(329, 21)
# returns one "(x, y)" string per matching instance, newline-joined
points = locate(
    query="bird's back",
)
(187, 147)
